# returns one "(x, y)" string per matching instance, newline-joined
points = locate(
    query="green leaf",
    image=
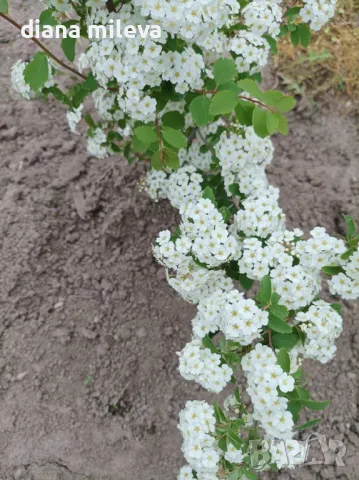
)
(208, 193)
(350, 225)
(332, 270)
(314, 405)
(298, 375)
(244, 112)
(199, 109)
(68, 46)
(218, 413)
(282, 124)
(250, 86)
(337, 307)
(283, 360)
(279, 310)
(283, 30)
(234, 439)
(90, 84)
(305, 35)
(310, 424)
(260, 122)
(303, 393)
(224, 70)
(4, 6)
(265, 289)
(173, 119)
(89, 120)
(294, 408)
(36, 72)
(115, 148)
(234, 189)
(348, 253)
(146, 135)
(232, 86)
(174, 137)
(207, 342)
(272, 122)
(226, 214)
(286, 340)
(275, 299)
(244, 281)
(235, 475)
(156, 162)
(172, 160)
(272, 43)
(47, 18)
(138, 146)
(250, 475)
(222, 443)
(286, 104)
(278, 325)
(223, 102)
(294, 35)
(271, 97)
(58, 94)
(292, 12)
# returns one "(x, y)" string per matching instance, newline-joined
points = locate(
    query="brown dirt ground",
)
(89, 327)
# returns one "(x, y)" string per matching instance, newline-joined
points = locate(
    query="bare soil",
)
(89, 329)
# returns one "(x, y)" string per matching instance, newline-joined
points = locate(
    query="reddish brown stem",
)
(242, 97)
(110, 6)
(158, 129)
(43, 48)
(270, 339)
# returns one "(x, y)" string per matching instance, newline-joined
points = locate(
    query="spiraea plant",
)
(189, 104)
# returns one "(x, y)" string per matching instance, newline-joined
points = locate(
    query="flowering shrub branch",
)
(189, 103)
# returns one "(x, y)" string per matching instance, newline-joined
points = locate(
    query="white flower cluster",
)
(264, 17)
(237, 151)
(260, 216)
(204, 225)
(256, 259)
(243, 157)
(322, 325)
(195, 157)
(204, 236)
(21, 86)
(155, 184)
(60, 5)
(251, 52)
(295, 286)
(199, 364)
(320, 250)
(264, 377)
(317, 12)
(73, 118)
(180, 187)
(237, 317)
(18, 80)
(197, 423)
(95, 144)
(347, 284)
(190, 20)
(194, 283)
(105, 104)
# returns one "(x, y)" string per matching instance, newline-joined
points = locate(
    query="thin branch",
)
(160, 140)
(43, 48)
(270, 338)
(110, 6)
(242, 97)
